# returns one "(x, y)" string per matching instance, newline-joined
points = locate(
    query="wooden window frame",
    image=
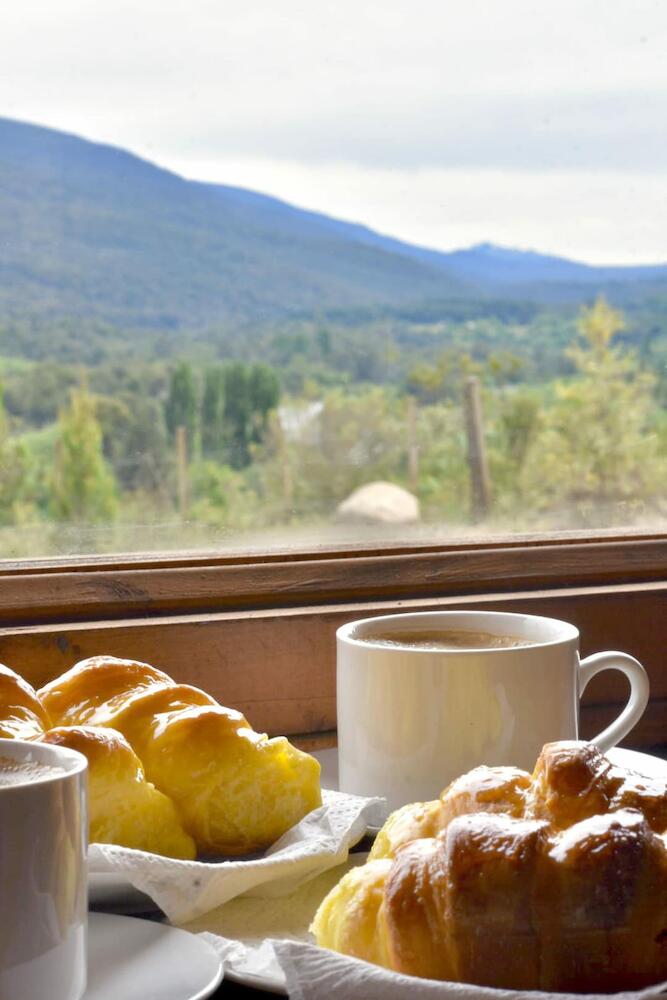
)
(257, 630)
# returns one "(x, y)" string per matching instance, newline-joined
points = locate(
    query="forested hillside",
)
(95, 234)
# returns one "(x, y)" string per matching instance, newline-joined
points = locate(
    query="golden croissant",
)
(123, 808)
(235, 790)
(170, 770)
(555, 882)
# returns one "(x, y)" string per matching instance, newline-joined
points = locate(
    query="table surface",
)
(230, 991)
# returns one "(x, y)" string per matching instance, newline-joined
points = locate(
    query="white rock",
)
(379, 502)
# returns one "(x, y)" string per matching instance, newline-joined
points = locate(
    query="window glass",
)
(308, 273)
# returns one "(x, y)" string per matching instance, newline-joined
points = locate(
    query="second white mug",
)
(43, 874)
(412, 719)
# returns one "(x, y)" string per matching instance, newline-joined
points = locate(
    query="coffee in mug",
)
(19, 772)
(425, 697)
(443, 639)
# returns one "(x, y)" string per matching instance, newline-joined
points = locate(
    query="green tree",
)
(84, 489)
(35, 394)
(264, 393)
(11, 468)
(213, 411)
(134, 441)
(181, 406)
(250, 394)
(597, 455)
(323, 338)
(325, 451)
(513, 419)
(444, 475)
(237, 412)
(221, 498)
(432, 383)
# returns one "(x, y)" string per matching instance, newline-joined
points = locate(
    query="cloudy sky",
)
(531, 123)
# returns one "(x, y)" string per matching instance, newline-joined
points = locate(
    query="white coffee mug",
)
(43, 876)
(412, 719)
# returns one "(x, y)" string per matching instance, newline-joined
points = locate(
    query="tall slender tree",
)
(264, 393)
(11, 468)
(84, 489)
(250, 393)
(181, 406)
(237, 413)
(213, 411)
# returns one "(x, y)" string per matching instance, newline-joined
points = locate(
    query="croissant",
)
(571, 781)
(484, 789)
(123, 808)
(235, 790)
(22, 715)
(555, 882)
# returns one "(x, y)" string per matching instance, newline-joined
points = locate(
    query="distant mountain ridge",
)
(483, 263)
(89, 231)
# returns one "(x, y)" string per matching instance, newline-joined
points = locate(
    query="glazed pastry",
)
(564, 890)
(123, 808)
(571, 781)
(484, 789)
(22, 715)
(235, 790)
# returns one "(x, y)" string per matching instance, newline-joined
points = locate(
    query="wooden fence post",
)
(182, 470)
(413, 447)
(480, 487)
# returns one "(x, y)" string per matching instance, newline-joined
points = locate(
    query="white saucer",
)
(643, 763)
(130, 959)
(244, 924)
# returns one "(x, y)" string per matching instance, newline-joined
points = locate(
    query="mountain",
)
(93, 234)
(485, 267)
(495, 265)
(87, 230)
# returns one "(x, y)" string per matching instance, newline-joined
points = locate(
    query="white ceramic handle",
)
(637, 701)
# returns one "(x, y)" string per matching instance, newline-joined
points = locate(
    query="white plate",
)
(130, 959)
(644, 763)
(247, 921)
(266, 984)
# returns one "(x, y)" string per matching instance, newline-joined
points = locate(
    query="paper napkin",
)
(313, 973)
(187, 889)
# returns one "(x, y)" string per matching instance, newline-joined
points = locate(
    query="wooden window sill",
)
(121, 588)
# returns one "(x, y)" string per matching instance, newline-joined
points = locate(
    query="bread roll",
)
(123, 808)
(484, 789)
(22, 715)
(235, 790)
(565, 889)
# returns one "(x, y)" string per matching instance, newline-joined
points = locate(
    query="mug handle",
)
(637, 702)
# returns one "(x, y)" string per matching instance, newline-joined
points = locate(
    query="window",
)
(221, 330)
(310, 309)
